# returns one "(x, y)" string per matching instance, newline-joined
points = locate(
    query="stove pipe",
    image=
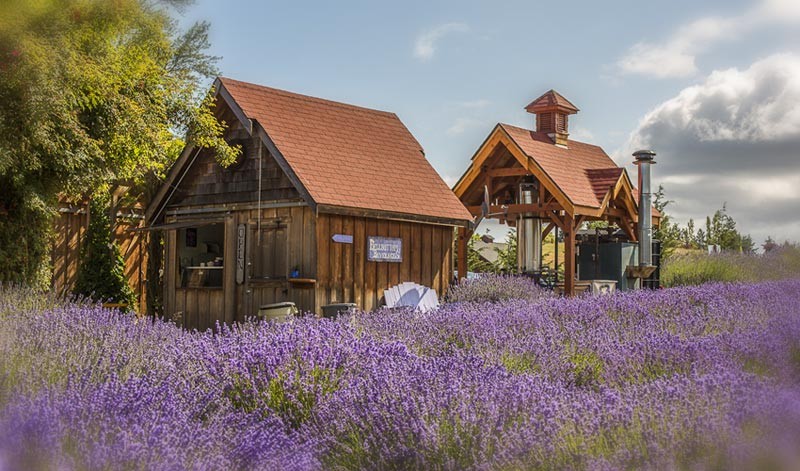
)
(644, 159)
(529, 231)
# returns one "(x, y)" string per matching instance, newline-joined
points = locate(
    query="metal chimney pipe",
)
(529, 231)
(644, 159)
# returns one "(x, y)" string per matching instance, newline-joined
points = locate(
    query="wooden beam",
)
(508, 172)
(390, 215)
(514, 209)
(615, 212)
(629, 228)
(547, 229)
(478, 158)
(557, 221)
(499, 137)
(569, 256)
(463, 237)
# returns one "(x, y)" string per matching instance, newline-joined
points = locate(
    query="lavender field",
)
(703, 377)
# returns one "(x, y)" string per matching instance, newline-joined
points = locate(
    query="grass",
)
(697, 267)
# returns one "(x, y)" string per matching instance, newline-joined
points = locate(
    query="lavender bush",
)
(695, 378)
(494, 288)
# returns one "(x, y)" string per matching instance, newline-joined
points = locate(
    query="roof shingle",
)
(349, 156)
(584, 172)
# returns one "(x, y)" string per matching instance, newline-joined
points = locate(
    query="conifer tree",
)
(101, 273)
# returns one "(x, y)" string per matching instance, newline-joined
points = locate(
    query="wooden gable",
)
(196, 179)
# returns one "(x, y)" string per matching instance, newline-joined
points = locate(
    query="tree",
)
(721, 230)
(507, 257)
(668, 232)
(93, 92)
(688, 235)
(769, 245)
(101, 272)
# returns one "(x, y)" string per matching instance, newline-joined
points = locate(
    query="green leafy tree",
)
(721, 230)
(507, 257)
(93, 92)
(101, 272)
(689, 235)
(668, 232)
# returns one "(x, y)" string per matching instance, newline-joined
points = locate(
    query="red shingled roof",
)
(349, 156)
(549, 101)
(584, 172)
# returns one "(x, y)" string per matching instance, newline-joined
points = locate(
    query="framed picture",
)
(191, 237)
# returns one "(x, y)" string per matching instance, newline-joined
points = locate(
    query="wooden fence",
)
(70, 228)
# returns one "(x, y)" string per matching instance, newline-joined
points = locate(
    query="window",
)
(200, 256)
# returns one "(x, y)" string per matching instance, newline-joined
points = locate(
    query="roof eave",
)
(392, 215)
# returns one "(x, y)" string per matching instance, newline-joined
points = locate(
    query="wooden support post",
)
(462, 253)
(569, 255)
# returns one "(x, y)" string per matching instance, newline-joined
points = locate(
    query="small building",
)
(328, 203)
(541, 181)
(488, 250)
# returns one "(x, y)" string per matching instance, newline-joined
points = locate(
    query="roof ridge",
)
(304, 97)
(568, 139)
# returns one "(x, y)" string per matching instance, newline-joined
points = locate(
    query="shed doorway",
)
(200, 268)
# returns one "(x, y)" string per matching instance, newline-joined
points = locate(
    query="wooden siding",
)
(344, 275)
(206, 182)
(69, 229)
(202, 308)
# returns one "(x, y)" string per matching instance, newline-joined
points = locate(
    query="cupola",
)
(552, 111)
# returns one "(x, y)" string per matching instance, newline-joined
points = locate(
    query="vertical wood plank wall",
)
(301, 255)
(201, 308)
(345, 276)
(341, 271)
(69, 230)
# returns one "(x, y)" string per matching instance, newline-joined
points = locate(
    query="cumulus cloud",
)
(734, 138)
(425, 44)
(676, 56)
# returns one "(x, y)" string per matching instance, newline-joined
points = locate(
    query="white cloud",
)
(461, 125)
(676, 57)
(733, 138)
(425, 44)
(581, 134)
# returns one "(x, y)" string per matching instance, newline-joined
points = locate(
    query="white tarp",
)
(413, 295)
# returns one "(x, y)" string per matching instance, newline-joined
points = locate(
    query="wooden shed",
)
(328, 203)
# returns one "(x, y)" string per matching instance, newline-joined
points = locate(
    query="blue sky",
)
(710, 85)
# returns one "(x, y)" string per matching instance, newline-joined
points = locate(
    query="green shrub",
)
(694, 268)
(101, 273)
